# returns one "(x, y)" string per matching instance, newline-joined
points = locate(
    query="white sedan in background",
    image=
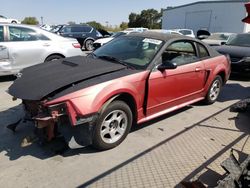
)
(22, 46)
(3, 19)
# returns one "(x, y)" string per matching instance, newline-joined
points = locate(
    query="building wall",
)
(215, 17)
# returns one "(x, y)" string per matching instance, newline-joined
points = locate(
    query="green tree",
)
(30, 21)
(149, 18)
(133, 20)
(96, 25)
(124, 25)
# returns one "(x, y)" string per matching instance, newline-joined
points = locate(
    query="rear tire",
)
(53, 57)
(214, 90)
(112, 126)
(88, 45)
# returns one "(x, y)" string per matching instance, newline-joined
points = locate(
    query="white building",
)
(214, 16)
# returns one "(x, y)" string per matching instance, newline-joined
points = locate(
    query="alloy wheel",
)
(114, 126)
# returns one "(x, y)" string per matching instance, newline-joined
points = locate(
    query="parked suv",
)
(84, 33)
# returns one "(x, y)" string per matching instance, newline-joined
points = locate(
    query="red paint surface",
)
(170, 89)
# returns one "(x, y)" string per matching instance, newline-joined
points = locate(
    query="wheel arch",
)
(220, 70)
(222, 74)
(88, 38)
(125, 97)
(59, 54)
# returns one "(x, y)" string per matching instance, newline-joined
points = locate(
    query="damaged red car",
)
(95, 100)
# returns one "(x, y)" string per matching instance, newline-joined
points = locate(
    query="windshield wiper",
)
(114, 59)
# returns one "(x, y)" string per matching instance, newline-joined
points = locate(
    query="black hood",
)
(234, 51)
(41, 80)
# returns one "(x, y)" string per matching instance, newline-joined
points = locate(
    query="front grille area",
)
(33, 107)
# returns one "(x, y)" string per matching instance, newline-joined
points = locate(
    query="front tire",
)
(214, 90)
(113, 125)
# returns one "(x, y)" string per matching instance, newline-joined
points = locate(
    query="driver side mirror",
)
(223, 43)
(166, 65)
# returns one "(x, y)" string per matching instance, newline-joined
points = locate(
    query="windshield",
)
(218, 36)
(135, 51)
(56, 28)
(185, 32)
(239, 40)
(3, 17)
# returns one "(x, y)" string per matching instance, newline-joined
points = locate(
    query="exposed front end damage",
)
(61, 119)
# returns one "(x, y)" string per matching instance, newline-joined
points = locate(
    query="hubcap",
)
(89, 45)
(114, 126)
(215, 90)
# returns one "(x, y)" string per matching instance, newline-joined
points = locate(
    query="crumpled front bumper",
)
(78, 136)
(55, 120)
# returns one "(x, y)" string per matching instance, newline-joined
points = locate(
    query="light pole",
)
(41, 20)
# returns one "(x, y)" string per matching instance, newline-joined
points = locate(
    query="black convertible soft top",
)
(40, 80)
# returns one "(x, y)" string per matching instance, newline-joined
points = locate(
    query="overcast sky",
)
(63, 11)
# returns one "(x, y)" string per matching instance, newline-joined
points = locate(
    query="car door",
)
(65, 31)
(25, 47)
(172, 87)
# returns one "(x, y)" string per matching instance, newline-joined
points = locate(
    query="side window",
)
(185, 32)
(203, 51)
(42, 37)
(76, 29)
(86, 29)
(1, 34)
(181, 53)
(22, 34)
(81, 29)
(66, 30)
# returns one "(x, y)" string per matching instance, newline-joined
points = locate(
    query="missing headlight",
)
(58, 109)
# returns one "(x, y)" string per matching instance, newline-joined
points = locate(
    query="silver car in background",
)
(22, 46)
(217, 39)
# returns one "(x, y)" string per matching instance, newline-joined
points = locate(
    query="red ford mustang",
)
(134, 78)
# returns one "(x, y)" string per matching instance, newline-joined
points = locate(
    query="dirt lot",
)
(160, 153)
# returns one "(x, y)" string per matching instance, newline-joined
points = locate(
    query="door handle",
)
(198, 69)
